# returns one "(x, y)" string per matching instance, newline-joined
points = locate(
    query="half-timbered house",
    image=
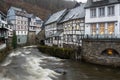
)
(52, 32)
(74, 25)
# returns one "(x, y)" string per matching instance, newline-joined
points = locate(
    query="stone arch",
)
(110, 52)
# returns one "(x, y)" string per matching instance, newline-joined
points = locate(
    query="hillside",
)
(41, 8)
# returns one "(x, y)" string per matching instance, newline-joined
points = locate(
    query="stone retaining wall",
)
(92, 52)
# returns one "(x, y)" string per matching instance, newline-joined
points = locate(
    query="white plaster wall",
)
(115, 18)
(107, 18)
(24, 29)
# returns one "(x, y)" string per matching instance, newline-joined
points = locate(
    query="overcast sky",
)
(81, 0)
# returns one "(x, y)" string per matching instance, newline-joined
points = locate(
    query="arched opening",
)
(110, 52)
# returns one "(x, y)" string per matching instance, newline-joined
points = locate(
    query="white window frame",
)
(111, 10)
(93, 13)
(101, 11)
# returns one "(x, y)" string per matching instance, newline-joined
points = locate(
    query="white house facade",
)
(102, 18)
(18, 17)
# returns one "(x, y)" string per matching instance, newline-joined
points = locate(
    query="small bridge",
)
(105, 49)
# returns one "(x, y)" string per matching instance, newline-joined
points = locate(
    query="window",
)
(81, 28)
(93, 29)
(24, 22)
(102, 28)
(21, 22)
(81, 24)
(77, 27)
(18, 40)
(111, 11)
(102, 11)
(18, 22)
(93, 12)
(110, 28)
(34, 23)
(3, 18)
(70, 38)
(18, 27)
(71, 28)
(56, 38)
(21, 27)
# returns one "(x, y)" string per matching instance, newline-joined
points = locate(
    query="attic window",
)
(96, 0)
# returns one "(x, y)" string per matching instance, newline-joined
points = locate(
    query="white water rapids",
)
(25, 64)
(29, 64)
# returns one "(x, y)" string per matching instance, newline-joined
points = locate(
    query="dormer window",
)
(96, 0)
(101, 11)
(93, 12)
(111, 11)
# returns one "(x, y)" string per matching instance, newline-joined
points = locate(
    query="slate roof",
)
(30, 15)
(75, 13)
(20, 12)
(17, 9)
(55, 17)
(2, 14)
(38, 20)
(91, 4)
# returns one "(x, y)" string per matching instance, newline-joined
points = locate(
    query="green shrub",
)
(14, 40)
(64, 53)
(4, 53)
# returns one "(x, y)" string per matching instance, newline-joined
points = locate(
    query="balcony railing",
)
(3, 25)
(105, 36)
(3, 35)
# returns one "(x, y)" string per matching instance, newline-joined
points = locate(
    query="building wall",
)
(21, 39)
(20, 25)
(3, 29)
(35, 24)
(105, 19)
(50, 30)
(73, 31)
(21, 29)
(32, 37)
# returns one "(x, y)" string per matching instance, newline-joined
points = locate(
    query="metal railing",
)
(105, 36)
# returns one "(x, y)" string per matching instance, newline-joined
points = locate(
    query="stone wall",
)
(32, 38)
(40, 36)
(92, 51)
(9, 41)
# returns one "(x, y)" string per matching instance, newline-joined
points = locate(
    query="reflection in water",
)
(30, 64)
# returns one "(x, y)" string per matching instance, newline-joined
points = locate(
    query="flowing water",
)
(29, 64)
